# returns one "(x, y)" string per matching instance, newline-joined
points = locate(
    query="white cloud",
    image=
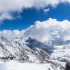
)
(5, 16)
(7, 6)
(50, 29)
(12, 34)
(46, 10)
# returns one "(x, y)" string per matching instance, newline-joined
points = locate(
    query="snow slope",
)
(12, 65)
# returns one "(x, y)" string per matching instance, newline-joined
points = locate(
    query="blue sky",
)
(30, 15)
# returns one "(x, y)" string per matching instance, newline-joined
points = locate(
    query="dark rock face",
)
(67, 66)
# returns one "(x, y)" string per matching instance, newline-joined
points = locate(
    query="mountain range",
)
(34, 51)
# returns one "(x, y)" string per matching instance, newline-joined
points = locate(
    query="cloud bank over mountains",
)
(7, 6)
(50, 29)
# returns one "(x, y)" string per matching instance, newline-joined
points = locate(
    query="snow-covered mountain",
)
(29, 50)
(34, 51)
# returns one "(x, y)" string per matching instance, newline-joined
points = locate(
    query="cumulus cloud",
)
(7, 6)
(45, 31)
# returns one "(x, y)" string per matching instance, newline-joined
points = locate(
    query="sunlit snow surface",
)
(12, 65)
